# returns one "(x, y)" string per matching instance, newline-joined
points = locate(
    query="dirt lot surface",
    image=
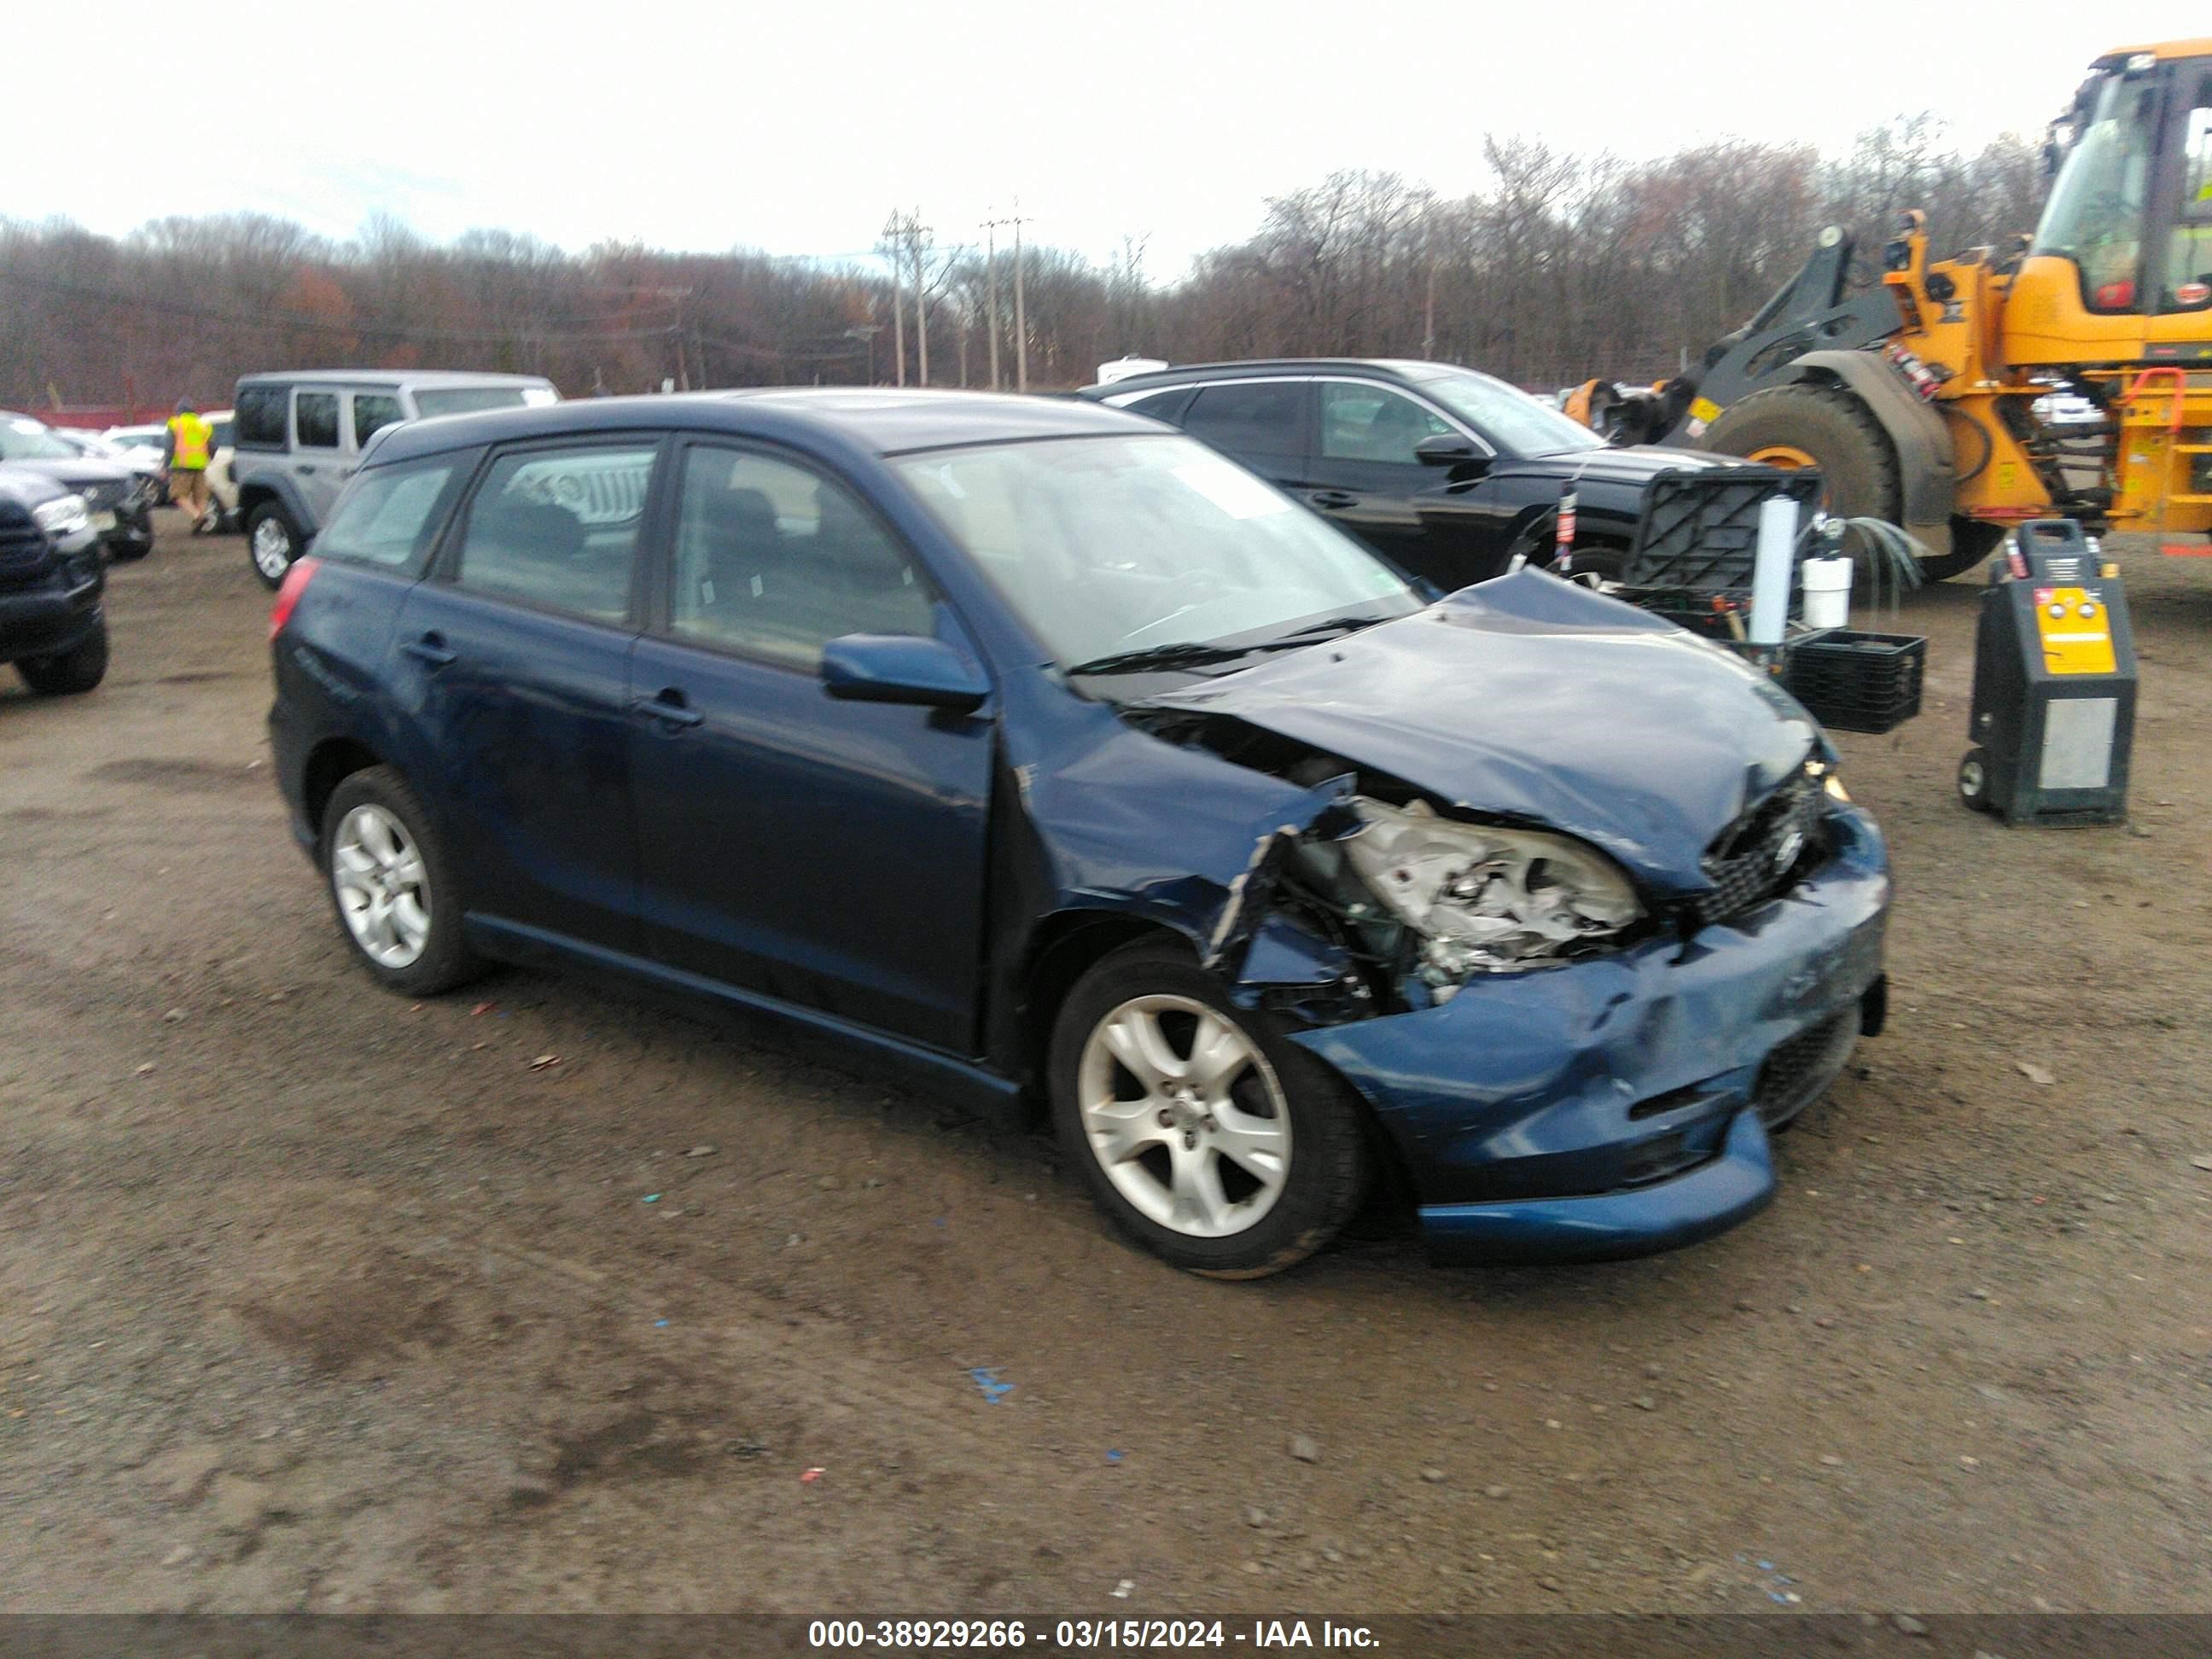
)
(535, 1297)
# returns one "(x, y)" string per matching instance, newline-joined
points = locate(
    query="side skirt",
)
(841, 1042)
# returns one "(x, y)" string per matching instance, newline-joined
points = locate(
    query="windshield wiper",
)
(1180, 653)
(1200, 653)
(1333, 625)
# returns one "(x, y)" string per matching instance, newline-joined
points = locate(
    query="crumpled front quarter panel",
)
(1521, 1084)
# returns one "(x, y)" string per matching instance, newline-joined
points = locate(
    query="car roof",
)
(881, 420)
(1409, 370)
(421, 377)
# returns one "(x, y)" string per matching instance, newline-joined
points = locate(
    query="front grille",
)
(1798, 1070)
(22, 543)
(1763, 852)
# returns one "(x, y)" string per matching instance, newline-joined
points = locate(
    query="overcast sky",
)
(795, 127)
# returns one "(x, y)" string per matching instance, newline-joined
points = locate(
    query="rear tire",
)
(78, 669)
(1235, 1168)
(392, 887)
(272, 542)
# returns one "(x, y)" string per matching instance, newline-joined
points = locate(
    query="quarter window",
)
(316, 416)
(1253, 417)
(559, 528)
(1361, 423)
(776, 560)
(390, 515)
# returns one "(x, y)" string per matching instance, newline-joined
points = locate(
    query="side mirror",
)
(1445, 449)
(901, 668)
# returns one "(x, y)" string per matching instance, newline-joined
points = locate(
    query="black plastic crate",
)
(1858, 682)
(1699, 532)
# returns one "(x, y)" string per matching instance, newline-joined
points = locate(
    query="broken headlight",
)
(1483, 899)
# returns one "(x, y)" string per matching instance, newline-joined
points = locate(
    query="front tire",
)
(1206, 1136)
(272, 542)
(67, 673)
(391, 886)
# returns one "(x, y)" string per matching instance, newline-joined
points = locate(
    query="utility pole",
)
(891, 230)
(1428, 312)
(1021, 321)
(991, 289)
(916, 231)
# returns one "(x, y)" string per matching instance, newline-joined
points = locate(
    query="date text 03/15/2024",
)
(1087, 1635)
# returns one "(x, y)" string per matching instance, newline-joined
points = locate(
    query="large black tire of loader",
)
(1858, 463)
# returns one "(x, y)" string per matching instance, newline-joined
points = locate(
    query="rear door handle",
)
(431, 649)
(1334, 498)
(669, 707)
(306, 467)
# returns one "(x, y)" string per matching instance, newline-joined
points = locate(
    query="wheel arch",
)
(1063, 947)
(1927, 464)
(273, 487)
(329, 764)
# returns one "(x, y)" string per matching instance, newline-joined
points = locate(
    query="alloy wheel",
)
(383, 887)
(1185, 1115)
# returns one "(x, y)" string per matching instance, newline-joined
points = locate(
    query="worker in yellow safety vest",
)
(186, 451)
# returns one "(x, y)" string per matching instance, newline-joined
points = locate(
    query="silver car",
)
(297, 436)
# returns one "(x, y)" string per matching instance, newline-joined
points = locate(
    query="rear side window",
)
(260, 414)
(372, 410)
(1162, 405)
(558, 528)
(316, 417)
(391, 515)
(1255, 418)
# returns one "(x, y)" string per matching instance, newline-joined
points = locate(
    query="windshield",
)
(1106, 545)
(27, 441)
(466, 399)
(2095, 215)
(140, 440)
(1507, 416)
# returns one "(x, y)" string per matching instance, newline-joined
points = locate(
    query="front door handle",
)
(1334, 498)
(306, 467)
(430, 649)
(669, 709)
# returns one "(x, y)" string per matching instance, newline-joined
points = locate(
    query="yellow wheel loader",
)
(1917, 396)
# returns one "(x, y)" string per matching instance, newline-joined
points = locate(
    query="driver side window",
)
(1361, 423)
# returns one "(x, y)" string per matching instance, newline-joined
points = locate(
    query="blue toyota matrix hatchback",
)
(1034, 746)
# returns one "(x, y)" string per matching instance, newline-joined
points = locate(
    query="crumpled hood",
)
(1528, 698)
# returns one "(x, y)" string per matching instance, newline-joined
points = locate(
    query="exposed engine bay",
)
(1476, 898)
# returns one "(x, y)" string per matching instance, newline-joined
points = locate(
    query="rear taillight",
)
(288, 596)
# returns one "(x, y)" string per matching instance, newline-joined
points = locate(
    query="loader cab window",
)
(2188, 282)
(2097, 208)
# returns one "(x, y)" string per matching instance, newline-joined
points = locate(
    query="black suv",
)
(119, 501)
(52, 573)
(1448, 472)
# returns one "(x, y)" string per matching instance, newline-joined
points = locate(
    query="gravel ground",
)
(539, 1298)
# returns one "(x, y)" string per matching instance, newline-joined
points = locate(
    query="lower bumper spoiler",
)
(1610, 1226)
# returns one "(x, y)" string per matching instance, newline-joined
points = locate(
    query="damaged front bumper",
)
(1613, 1107)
